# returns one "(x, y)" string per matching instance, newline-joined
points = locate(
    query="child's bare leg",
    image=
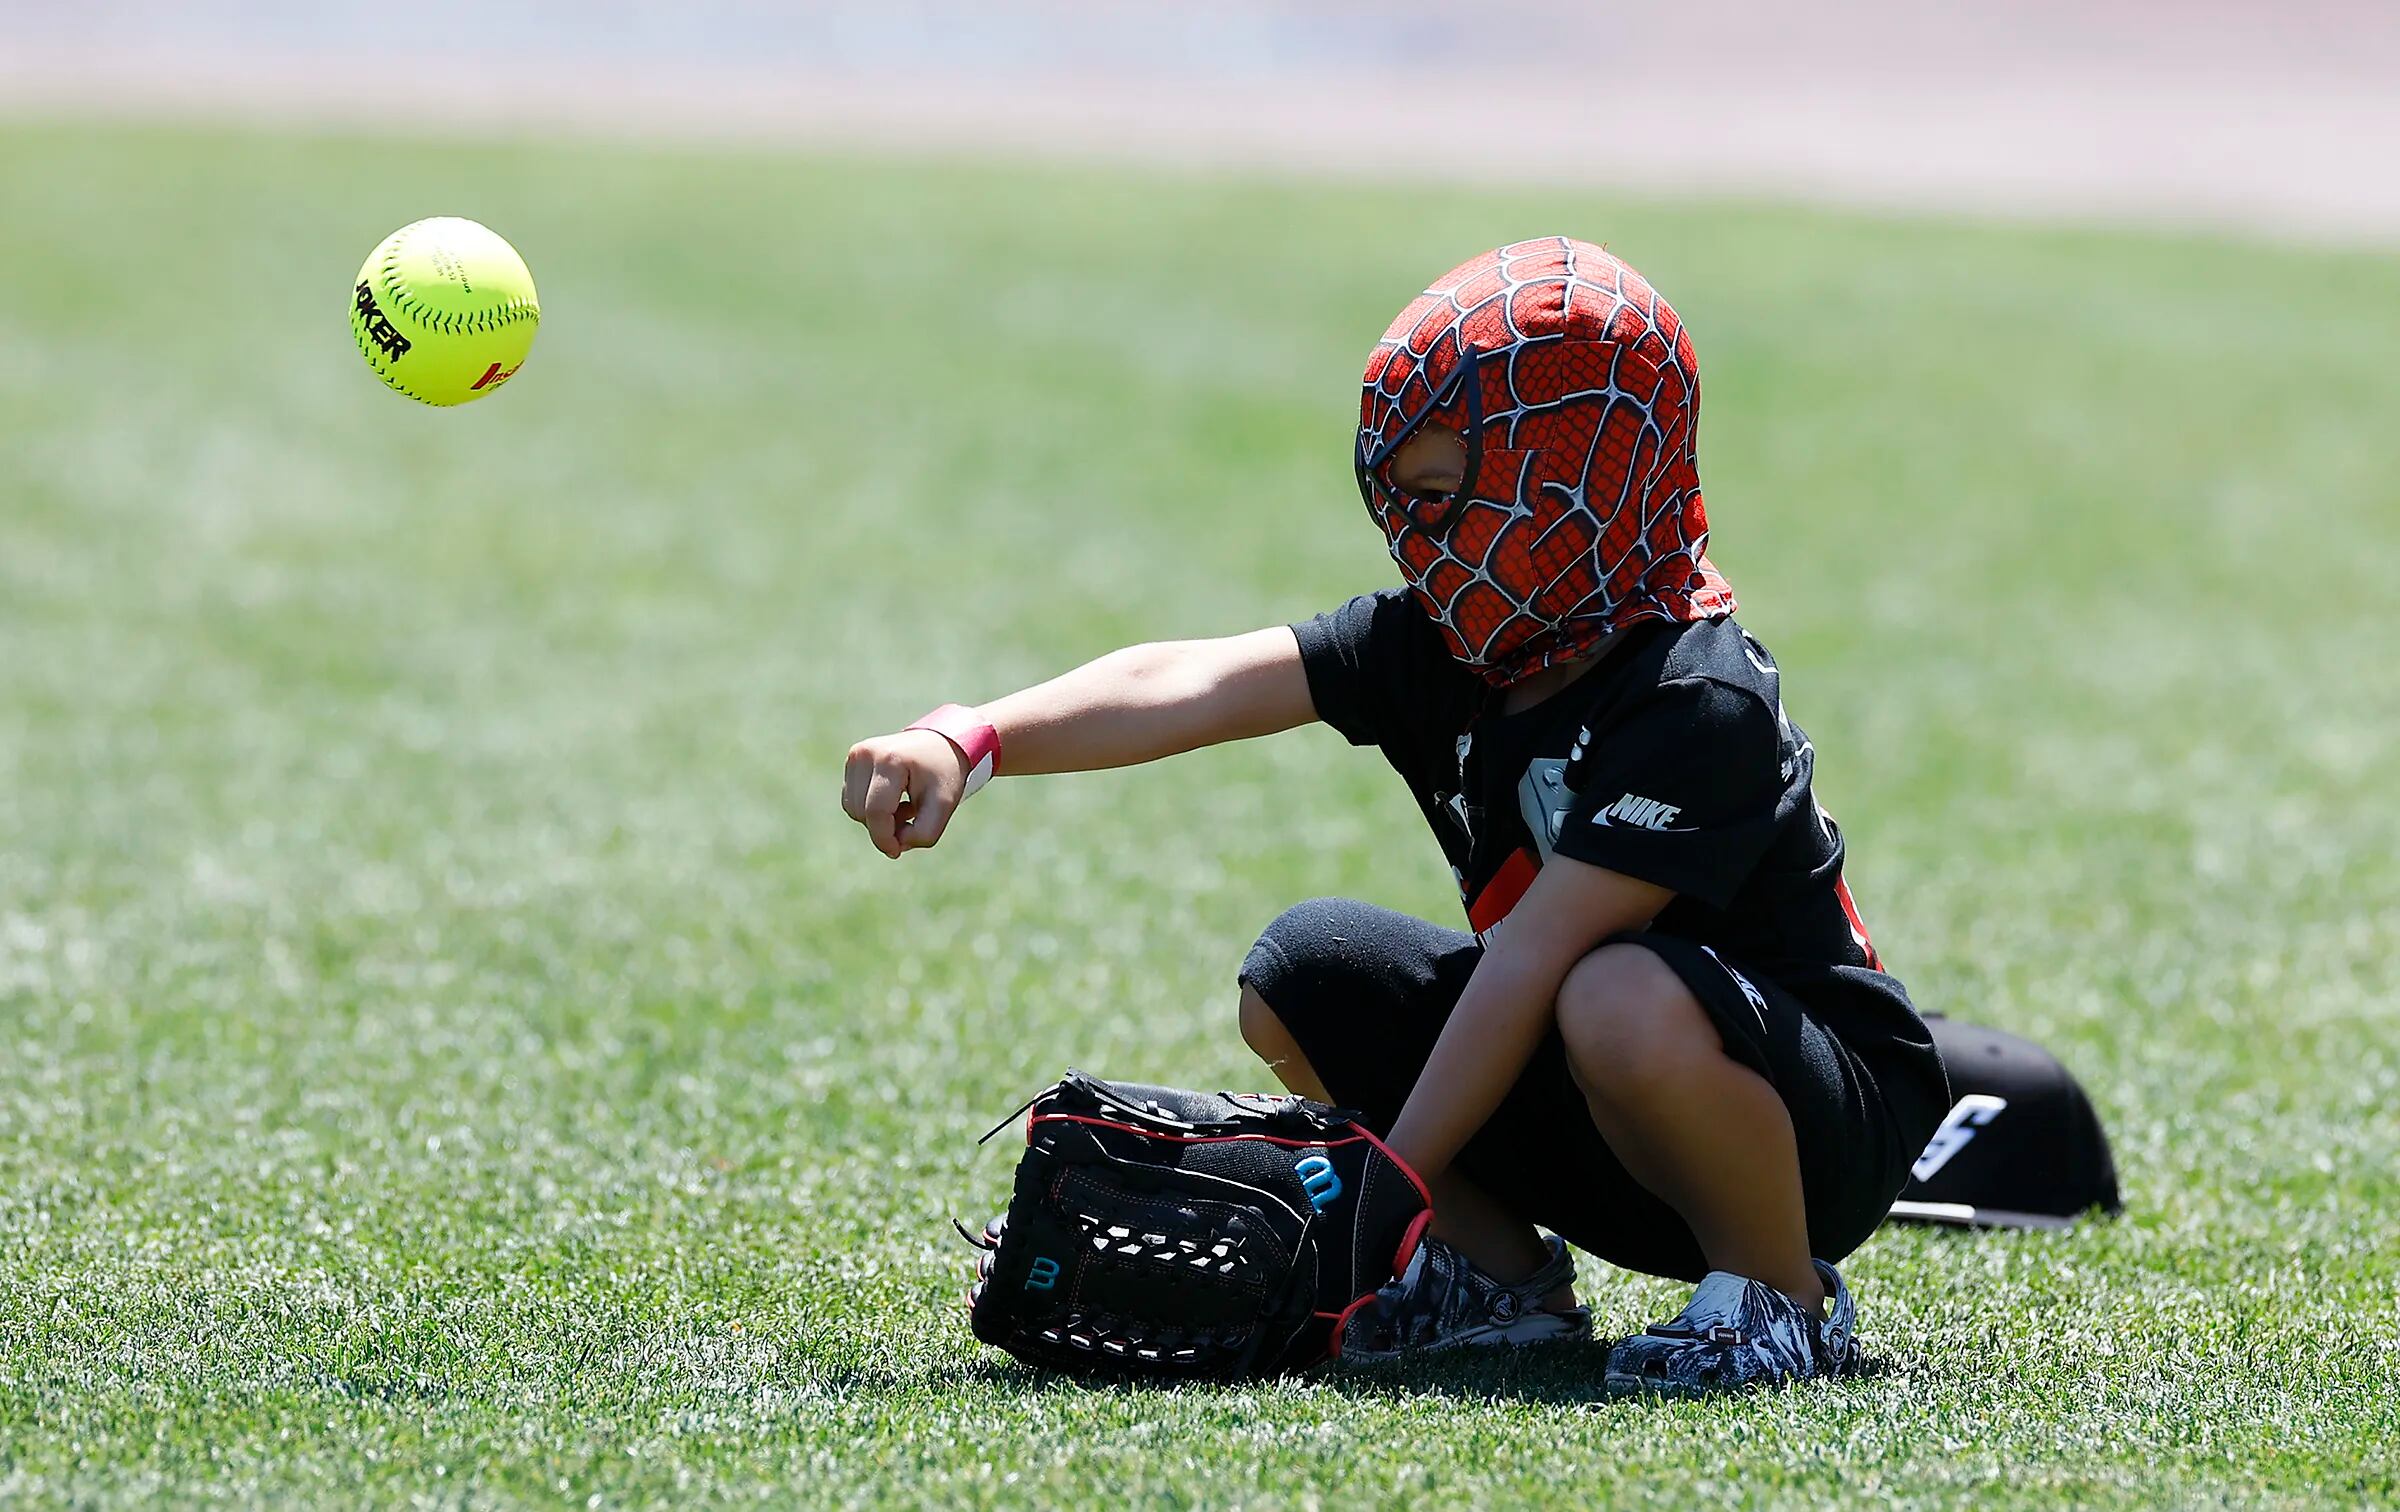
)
(1464, 1216)
(1702, 1131)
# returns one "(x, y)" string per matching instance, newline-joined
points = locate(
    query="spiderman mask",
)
(1575, 394)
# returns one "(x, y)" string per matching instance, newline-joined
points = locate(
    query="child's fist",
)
(904, 788)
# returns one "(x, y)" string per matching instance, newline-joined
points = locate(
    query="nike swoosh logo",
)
(1602, 821)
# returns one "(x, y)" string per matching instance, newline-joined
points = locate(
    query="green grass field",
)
(452, 1046)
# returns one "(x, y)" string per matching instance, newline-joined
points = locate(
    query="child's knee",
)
(1306, 947)
(1628, 1022)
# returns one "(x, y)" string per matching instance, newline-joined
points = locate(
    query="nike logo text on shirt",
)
(1642, 813)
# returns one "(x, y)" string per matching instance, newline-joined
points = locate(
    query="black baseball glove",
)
(1161, 1233)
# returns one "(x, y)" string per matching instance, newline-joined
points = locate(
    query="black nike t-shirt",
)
(1670, 760)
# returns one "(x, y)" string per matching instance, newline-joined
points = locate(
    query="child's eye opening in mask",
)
(1430, 465)
(1421, 476)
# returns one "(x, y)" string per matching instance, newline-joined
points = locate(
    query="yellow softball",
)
(444, 310)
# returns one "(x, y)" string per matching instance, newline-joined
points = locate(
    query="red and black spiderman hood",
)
(1577, 393)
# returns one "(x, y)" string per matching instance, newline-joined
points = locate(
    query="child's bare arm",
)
(1145, 702)
(1508, 1004)
(1130, 706)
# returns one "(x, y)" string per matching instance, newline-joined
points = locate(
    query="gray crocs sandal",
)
(1737, 1333)
(1444, 1301)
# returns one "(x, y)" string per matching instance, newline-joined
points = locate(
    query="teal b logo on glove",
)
(1318, 1180)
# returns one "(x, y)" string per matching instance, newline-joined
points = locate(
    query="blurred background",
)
(454, 1049)
(2283, 118)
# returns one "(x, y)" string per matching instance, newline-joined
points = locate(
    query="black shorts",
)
(1365, 991)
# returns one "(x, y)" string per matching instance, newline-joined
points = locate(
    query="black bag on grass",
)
(1161, 1233)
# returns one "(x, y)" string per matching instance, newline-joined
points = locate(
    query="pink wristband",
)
(976, 740)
